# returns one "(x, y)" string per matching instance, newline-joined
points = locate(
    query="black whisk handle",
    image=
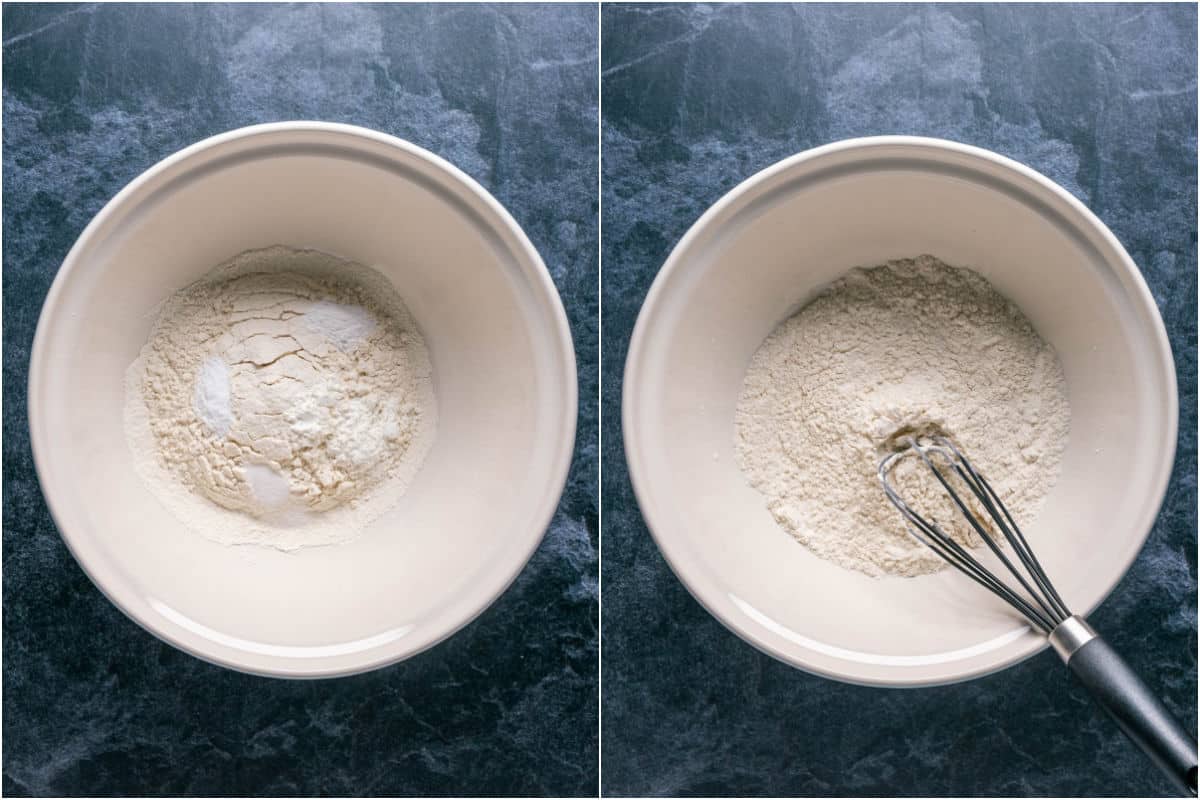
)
(1140, 713)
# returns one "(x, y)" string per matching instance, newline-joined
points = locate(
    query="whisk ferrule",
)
(1071, 634)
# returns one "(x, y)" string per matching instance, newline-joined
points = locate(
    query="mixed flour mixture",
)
(908, 347)
(286, 399)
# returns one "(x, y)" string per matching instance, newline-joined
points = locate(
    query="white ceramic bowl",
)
(767, 247)
(504, 376)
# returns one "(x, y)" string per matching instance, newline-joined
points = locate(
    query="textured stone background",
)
(696, 98)
(93, 95)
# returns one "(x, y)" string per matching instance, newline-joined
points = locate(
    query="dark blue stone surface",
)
(93, 95)
(696, 98)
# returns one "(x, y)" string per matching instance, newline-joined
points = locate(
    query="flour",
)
(285, 399)
(909, 347)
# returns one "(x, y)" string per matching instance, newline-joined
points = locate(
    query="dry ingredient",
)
(286, 399)
(913, 346)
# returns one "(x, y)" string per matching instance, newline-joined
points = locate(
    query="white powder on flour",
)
(911, 346)
(286, 399)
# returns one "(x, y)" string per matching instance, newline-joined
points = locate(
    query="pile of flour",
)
(286, 399)
(913, 346)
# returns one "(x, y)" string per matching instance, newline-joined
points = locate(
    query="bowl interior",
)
(504, 381)
(763, 252)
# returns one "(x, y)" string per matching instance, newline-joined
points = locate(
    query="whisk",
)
(1112, 683)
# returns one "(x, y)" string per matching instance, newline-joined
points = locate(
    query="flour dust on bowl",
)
(1072, 326)
(462, 454)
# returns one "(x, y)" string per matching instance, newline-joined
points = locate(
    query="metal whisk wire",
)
(1042, 606)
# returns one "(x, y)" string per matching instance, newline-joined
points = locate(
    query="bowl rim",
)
(931, 149)
(451, 617)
